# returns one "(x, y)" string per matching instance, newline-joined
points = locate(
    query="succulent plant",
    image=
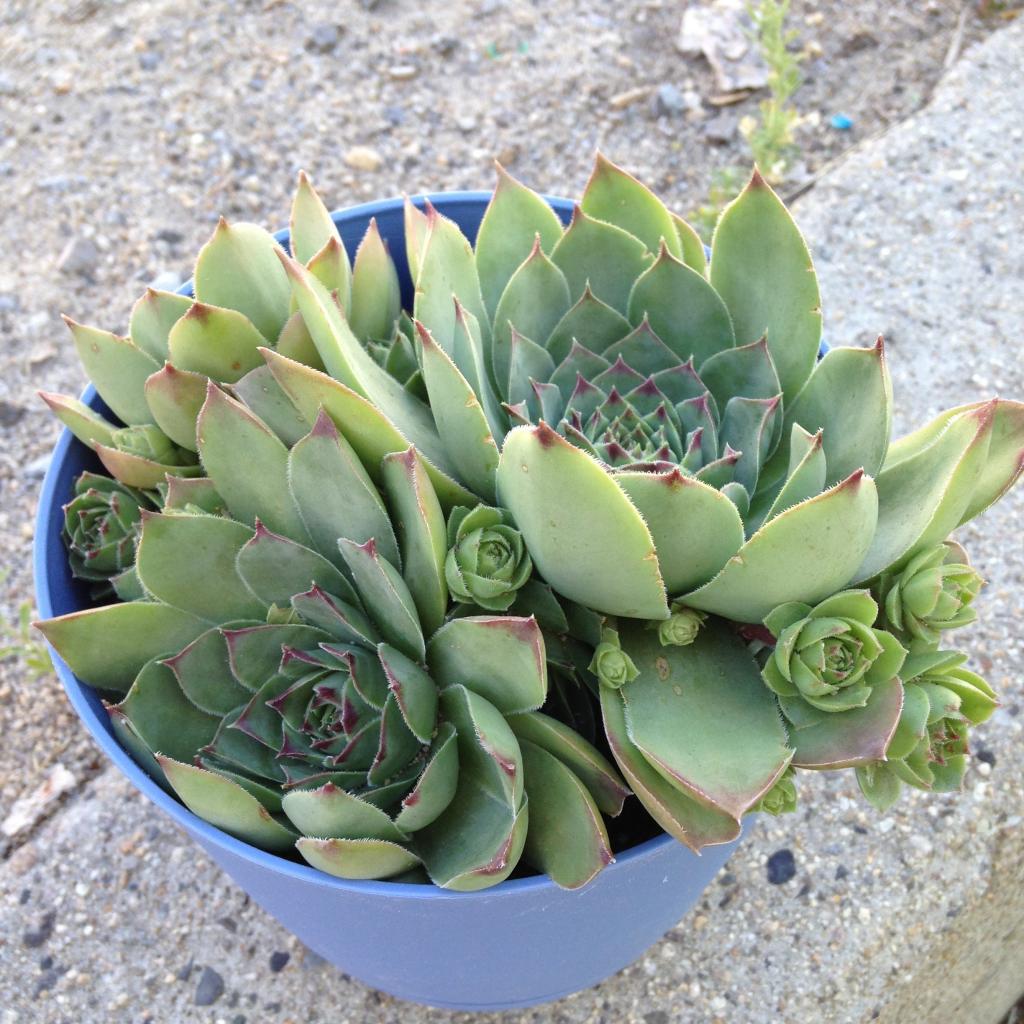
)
(928, 750)
(487, 562)
(633, 457)
(294, 675)
(101, 530)
(930, 594)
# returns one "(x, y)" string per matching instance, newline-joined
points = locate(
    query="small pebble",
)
(363, 158)
(841, 122)
(323, 38)
(80, 256)
(149, 60)
(781, 867)
(278, 960)
(10, 413)
(9, 302)
(209, 989)
(36, 937)
(668, 101)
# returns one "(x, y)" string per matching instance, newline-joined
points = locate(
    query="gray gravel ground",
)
(920, 235)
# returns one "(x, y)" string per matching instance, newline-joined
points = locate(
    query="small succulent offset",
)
(586, 471)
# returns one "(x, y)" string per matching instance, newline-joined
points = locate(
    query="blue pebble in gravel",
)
(781, 867)
(841, 122)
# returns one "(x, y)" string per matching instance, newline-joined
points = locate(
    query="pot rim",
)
(97, 723)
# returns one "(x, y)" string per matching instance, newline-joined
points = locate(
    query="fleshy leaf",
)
(175, 397)
(514, 217)
(226, 804)
(217, 342)
(117, 369)
(224, 429)
(107, 647)
(693, 823)
(703, 718)
(585, 536)
(696, 529)
(682, 308)
(188, 561)
(357, 858)
(376, 301)
(153, 316)
(334, 494)
(310, 226)
(761, 268)
(808, 552)
(500, 658)
(239, 269)
(566, 839)
(331, 813)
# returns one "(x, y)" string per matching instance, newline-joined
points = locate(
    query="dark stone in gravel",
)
(278, 959)
(323, 38)
(239, 1018)
(45, 963)
(47, 980)
(985, 755)
(781, 867)
(842, 872)
(170, 236)
(185, 971)
(10, 413)
(395, 115)
(209, 989)
(656, 1017)
(721, 130)
(149, 60)
(228, 922)
(445, 46)
(24, 896)
(35, 937)
(726, 878)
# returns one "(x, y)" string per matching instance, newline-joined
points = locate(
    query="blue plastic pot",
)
(519, 943)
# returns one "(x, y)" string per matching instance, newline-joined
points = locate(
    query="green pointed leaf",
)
(923, 498)
(107, 647)
(528, 363)
(414, 691)
(295, 342)
(435, 788)
(163, 717)
(591, 322)
(586, 762)
(371, 434)
(614, 196)
(152, 318)
(694, 255)
(219, 343)
(513, 219)
(202, 672)
(357, 858)
(188, 561)
(335, 496)
(849, 396)
(416, 231)
(447, 272)
(421, 532)
(331, 813)
(696, 529)
(478, 839)
(460, 420)
(386, 597)
(607, 257)
(224, 429)
(693, 823)
(183, 494)
(117, 369)
(136, 471)
(259, 391)
(683, 309)
(227, 805)
(310, 225)
(175, 397)
(376, 302)
(806, 553)
(275, 568)
(468, 356)
(535, 300)
(497, 657)
(585, 536)
(331, 268)
(88, 426)
(703, 718)
(566, 839)
(844, 739)
(239, 269)
(349, 362)
(255, 652)
(747, 370)
(1005, 456)
(805, 480)
(761, 268)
